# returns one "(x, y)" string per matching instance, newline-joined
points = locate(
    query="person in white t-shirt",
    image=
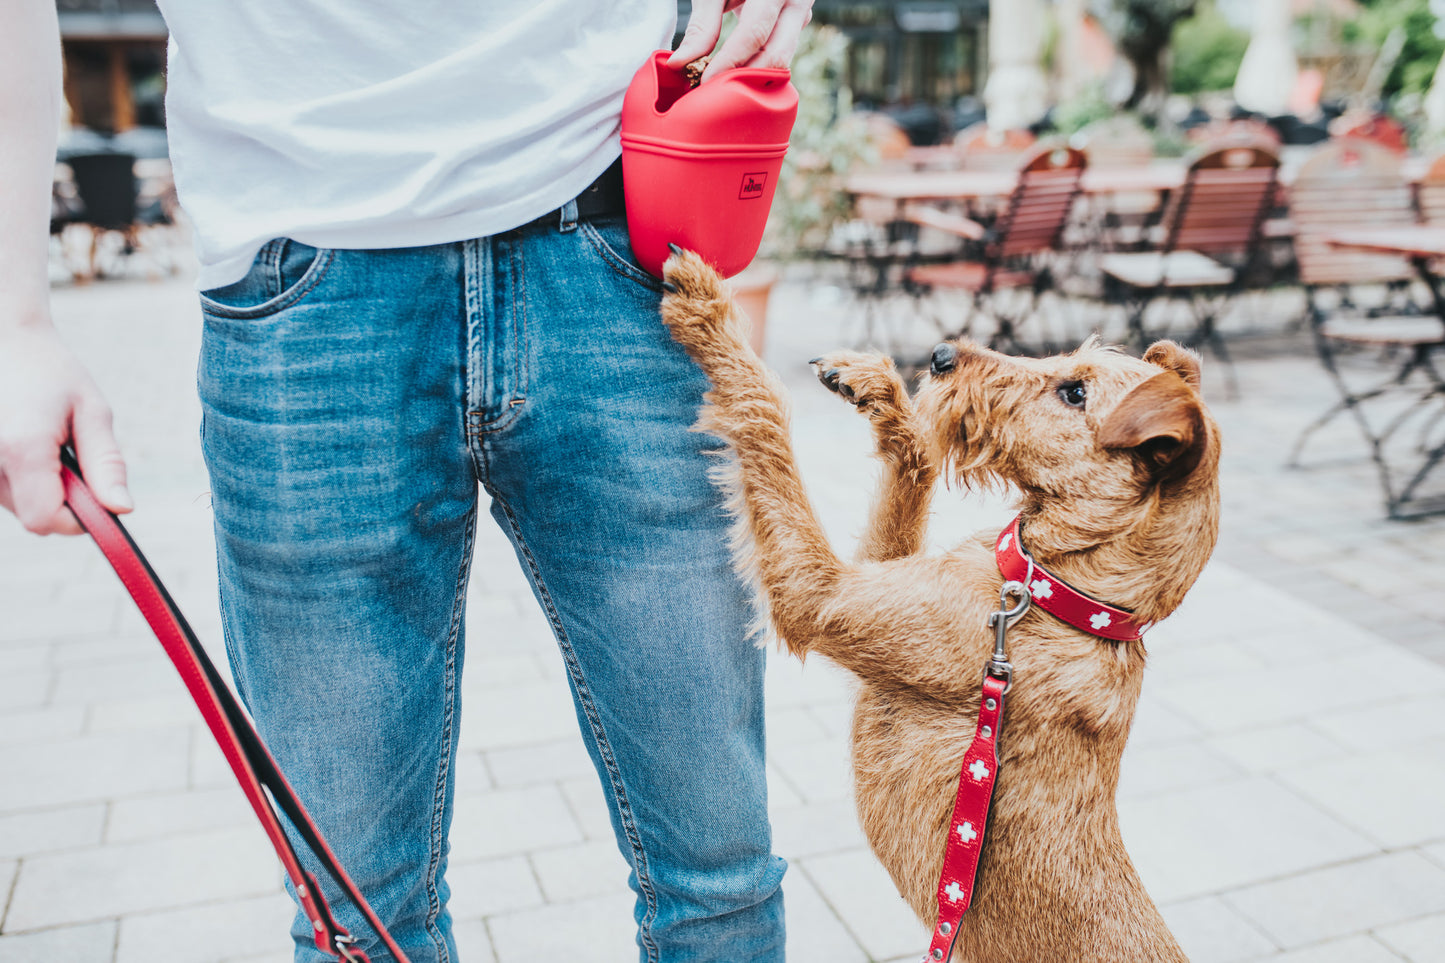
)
(415, 280)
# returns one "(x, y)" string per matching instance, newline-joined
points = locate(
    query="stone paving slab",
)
(1283, 793)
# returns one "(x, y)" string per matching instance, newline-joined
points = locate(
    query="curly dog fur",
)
(1119, 497)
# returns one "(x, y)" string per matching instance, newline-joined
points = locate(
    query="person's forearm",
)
(30, 92)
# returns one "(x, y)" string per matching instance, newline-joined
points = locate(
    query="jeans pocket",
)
(282, 273)
(608, 236)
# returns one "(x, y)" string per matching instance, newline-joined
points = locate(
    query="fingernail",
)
(120, 498)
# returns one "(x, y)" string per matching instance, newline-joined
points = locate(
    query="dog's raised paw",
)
(864, 380)
(687, 277)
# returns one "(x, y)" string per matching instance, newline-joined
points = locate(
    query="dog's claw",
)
(673, 248)
(846, 388)
(670, 288)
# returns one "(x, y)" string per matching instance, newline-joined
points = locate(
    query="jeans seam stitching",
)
(449, 720)
(604, 748)
(615, 261)
(305, 286)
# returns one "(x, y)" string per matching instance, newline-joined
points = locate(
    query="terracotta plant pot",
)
(751, 290)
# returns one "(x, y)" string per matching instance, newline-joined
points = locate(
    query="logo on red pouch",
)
(752, 185)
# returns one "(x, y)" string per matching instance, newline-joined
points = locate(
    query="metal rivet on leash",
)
(938, 954)
(945, 927)
(987, 731)
(992, 704)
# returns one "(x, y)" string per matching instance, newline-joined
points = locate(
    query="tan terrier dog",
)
(1117, 462)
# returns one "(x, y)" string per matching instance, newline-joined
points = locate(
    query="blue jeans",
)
(353, 400)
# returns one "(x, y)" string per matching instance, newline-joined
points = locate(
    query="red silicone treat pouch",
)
(700, 164)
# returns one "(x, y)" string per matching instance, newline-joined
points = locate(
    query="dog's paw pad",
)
(862, 379)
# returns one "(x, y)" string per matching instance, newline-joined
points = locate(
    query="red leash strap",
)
(250, 760)
(969, 820)
(976, 778)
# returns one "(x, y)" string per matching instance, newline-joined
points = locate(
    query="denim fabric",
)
(352, 402)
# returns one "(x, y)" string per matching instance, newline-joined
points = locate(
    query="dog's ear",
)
(1162, 421)
(1172, 357)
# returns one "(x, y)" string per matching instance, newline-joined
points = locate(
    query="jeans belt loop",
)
(568, 219)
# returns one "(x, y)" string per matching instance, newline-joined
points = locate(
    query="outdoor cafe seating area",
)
(113, 207)
(1029, 247)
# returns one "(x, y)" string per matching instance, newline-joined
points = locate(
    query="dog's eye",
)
(1072, 393)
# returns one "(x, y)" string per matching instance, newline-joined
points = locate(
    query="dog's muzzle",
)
(945, 356)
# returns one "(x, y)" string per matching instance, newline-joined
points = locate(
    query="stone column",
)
(1268, 72)
(1016, 93)
(1069, 65)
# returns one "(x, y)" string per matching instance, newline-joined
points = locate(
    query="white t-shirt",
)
(373, 123)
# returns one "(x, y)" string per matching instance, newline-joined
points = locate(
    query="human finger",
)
(756, 20)
(33, 490)
(782, 44)
(99, 454)
(703, 27)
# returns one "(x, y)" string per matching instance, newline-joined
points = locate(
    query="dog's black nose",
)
(945, 356)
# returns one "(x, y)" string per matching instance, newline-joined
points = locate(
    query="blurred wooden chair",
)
(1120, 220)
(1012, 254)
(1383, 350)
(981, 147)
(1386, 132)
(1430, 192)
(1241, 130)
(1211, 234)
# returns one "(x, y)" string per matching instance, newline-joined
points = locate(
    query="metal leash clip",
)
(343, 949)
(999, 666)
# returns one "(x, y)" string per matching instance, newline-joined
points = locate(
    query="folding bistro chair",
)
(1430, 192)
(1378, 356)
(1013, 254)
(1211, 234)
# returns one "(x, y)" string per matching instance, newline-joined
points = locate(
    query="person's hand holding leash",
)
(46, 397)
(47, 400)
(766, 35)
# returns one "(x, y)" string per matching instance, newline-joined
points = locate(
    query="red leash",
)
(1030, 583)
(255, 770)
(976, 778)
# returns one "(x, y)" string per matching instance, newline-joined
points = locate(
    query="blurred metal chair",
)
(1010, 255)
(1211, 234)
(1384, 351)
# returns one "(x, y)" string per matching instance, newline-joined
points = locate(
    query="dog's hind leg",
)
(898, 519)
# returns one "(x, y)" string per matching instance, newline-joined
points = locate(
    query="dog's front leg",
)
(854, 614)
(781, 540)
(898, 519)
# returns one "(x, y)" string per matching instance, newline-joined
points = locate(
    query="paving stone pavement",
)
(1283, 793)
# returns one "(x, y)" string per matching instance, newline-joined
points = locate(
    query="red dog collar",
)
(1059, 598)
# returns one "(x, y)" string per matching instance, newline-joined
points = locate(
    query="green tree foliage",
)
(1416, 65)
(828, 140)
(1206, 53)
